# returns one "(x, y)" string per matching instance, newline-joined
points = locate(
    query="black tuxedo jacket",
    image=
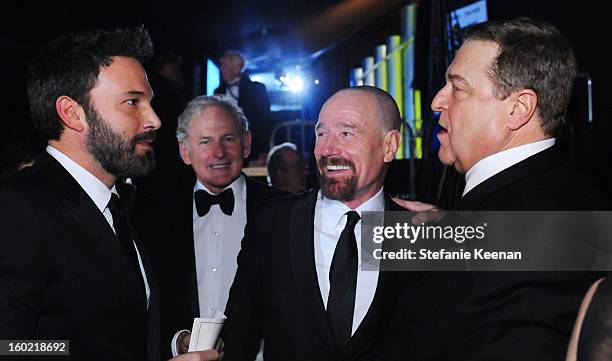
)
(254, 101)
(499, 315)
(276, 292)
(65, 275)
(174, 257)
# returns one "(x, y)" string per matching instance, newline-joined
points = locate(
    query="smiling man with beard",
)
(71, 266)
(298, 282)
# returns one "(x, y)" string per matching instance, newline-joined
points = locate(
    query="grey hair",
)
(199, 104)
(238, 54)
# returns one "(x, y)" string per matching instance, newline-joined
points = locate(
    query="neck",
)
(85, 160)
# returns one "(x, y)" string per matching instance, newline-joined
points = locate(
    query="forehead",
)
(123, 75)
(230, 59)
(214, 119)
(473, 61)
(349, 109)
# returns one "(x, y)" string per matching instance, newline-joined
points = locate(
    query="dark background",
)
(275, 32)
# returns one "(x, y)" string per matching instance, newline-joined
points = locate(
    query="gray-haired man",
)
(197, 269)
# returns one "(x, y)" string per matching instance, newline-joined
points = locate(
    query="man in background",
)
(252, 98)
(286, 168)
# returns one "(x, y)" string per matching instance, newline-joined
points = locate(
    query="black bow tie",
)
(205, 200)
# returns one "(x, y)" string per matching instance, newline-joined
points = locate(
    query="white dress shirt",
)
(330, 219)
(217, 238)
(495, 163)
(233, 89)
(99, 194)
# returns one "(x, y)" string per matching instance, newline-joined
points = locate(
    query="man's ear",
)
(391, 144)
(524, 103)
(184, 153)
(71, 113)
(246, 144)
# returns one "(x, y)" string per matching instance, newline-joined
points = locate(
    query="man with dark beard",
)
(298, 282)
(71, 266)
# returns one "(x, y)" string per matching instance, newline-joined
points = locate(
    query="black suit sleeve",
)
(243, 328)
(22, 267)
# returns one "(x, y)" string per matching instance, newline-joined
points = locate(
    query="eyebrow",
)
(135, 93)
(341, 124)
(457, 78)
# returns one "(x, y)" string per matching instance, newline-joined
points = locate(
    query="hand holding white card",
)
(205, 332)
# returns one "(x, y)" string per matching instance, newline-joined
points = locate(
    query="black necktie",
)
(343, 283)
(124, 232)
(205, 200)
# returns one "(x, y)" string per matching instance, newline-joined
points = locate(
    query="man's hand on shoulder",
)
(426, 212)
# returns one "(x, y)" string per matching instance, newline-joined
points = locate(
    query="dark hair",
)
(532, 55)
(70, 64)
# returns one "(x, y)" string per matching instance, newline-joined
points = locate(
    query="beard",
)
(339, 189)
(115, 152)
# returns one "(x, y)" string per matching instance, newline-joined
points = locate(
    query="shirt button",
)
(216, 234)
(214, 269)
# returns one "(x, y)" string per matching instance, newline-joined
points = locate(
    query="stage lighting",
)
(294, 83)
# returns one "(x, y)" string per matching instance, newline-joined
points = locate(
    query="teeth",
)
(338, 167)
(218, 166)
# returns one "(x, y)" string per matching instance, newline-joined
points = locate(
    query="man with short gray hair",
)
(197, 269)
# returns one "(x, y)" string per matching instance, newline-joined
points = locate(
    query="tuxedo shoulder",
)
(283, 205)
(26, 181)
(262, 190)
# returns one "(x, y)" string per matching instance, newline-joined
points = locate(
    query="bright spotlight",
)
(295, 83)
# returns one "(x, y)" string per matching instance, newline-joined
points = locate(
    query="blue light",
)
(213, 77)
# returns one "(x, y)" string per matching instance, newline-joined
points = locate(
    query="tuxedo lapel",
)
(372, 316)
(187, 250)
(301, 235)
(153, 311)
(88, 218)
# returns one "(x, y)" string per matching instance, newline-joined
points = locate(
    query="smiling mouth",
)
(336, 168)
(220, 165)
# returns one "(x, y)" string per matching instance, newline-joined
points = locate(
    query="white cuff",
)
(175, 351)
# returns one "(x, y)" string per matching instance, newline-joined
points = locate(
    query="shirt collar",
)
(234, 82)
(95, 189)
(334, 210)
(495, 163)
(238, 188)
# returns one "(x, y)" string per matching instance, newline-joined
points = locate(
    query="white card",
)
(205, 333)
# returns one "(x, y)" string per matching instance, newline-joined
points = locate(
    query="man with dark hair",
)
(286, 168)
(71, 266)
(251, 97)
(504, 100)
(298, 282)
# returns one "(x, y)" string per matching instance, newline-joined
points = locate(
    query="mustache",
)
(144, 136)
(327, 161)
